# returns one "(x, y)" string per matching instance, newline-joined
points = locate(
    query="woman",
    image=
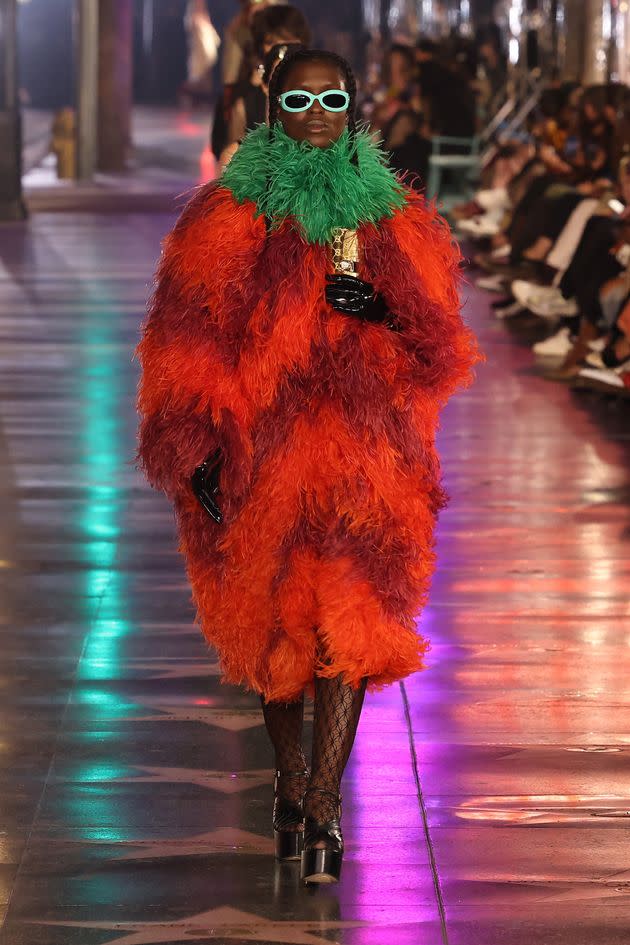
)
(314, 397)
(203, 52)
(272, 28)
(246, 113)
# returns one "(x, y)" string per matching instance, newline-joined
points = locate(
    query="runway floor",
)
(487, 801)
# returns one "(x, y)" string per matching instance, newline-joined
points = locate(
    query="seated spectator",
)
(610, 370)
(557, 230)
(581, 242)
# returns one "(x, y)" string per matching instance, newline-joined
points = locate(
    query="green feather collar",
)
(322, 188)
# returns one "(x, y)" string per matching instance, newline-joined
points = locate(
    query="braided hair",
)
(282, 70)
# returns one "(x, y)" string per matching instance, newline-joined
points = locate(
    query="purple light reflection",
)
(393, 890)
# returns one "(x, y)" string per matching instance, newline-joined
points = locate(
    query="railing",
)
(523, 96)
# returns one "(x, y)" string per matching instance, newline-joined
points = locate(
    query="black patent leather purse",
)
(205, 484)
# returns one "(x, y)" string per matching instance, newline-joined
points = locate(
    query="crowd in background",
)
(553, 220)
(552, 210)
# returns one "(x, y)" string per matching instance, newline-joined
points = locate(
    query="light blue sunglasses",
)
(297, 100)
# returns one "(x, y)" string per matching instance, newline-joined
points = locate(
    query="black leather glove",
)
(205, 484)
(352, 296)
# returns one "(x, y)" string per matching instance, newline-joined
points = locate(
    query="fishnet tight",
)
(336, 717)
(337, 712)
(284, 721)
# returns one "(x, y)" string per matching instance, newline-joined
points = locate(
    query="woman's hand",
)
(205, 484)
(352, 296)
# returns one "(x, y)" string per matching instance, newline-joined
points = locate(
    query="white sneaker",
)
(485, 225)
(623, 255)
(491, 283)
(558, 346)
(594, 359)
(605, 378)
(495, 199)
(546, 301)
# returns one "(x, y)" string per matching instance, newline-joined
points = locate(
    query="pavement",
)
(487, 799)
(170, 156)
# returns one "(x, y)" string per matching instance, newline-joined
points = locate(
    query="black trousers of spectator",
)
(521, 182)
(535, 190)
(592, 265)
(541, 216)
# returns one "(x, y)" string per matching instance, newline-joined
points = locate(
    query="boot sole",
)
(320, 865)
(288, 844)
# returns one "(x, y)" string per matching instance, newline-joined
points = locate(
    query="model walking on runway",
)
(303, 335)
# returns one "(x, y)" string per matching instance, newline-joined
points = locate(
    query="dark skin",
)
(321, 128)
(316, 125)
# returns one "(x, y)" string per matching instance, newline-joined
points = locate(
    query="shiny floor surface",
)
(487, 801)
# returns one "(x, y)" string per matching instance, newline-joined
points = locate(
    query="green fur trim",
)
(322, 188)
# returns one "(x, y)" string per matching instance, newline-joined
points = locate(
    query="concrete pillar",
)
(87, 86)
(620, 71)
(11, 202)
(115, 73)
(573, 36)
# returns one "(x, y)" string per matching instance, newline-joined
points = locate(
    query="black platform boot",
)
(322, 864)
(288, 819)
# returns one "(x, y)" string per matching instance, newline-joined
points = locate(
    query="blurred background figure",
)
(492, 72)
(395, 111)
(252, 108)
(238, 41)
(235, 67)
(447, 88)
(277, 28)
(203, 54)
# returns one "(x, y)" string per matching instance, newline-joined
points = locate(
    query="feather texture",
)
(331, 482)
(345, 184)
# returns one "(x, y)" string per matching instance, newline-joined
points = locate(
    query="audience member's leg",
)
(569, 238)
(600, 234)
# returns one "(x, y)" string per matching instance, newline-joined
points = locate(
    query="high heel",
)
(322, 864)
(288, 820)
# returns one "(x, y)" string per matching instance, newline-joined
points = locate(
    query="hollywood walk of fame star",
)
(232, 720)
(159, 669)
(225, 782)
(222, 840)
(223, 922)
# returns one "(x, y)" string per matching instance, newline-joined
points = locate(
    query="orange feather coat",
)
(330, 484)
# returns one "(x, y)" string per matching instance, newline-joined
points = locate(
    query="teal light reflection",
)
(103, 772)
(101, 391)
(102, 411)
(107, 835)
